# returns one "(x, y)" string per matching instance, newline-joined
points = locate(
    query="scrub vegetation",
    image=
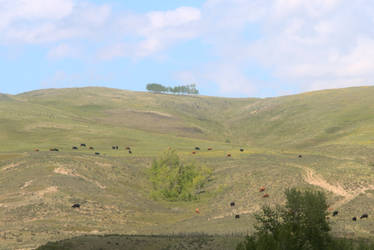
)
(176, 181)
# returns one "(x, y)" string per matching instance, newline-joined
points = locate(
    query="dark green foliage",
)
(183, 89)
(155, 87)
(173, 180)
(300, 224)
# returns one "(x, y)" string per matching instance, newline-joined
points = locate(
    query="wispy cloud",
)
(153, 32)
(62, 51)
(310, 44)
(40, 21)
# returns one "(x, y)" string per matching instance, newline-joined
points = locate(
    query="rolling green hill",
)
(333, 130)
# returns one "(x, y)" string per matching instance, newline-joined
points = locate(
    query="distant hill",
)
(341, 116)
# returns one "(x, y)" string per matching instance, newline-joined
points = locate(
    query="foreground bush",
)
(176, 181)
(299, 225)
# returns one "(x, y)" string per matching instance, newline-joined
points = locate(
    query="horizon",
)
(228, 48)
(145, 91)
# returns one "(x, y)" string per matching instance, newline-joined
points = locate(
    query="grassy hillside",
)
(332, 130)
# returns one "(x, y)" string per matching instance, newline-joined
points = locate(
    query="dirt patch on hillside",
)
(70, 172)
(27, 183)
(41, 193)
(314, 179)
(12, 165)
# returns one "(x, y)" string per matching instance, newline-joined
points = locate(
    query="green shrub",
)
(176, 181)
(299, 225)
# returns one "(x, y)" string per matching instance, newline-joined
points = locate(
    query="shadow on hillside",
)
(146, 242)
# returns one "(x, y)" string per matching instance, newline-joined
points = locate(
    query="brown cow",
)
(262, 189)
(193, 152)
(265, 196)
(210, 149)
(228, 155)
(36, 150)
(128, 148)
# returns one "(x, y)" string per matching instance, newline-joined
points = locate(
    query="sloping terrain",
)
(333, 130)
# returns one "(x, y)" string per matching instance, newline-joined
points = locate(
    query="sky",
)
(231, 48)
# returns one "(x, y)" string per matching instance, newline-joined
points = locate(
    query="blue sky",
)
(233, 48)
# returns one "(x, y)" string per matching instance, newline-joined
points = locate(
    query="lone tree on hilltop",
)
(182, 89)
(155, 87)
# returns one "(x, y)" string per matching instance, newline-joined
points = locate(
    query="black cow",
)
(335, 213)
(197, 148)
(232, 204)
(116, 147)
(83, 145)
(76, 205)
(113, 147)
(354, 218)
(237, 216)
(300, 156)
(53, 149)
(364, 216)
(130, 152)
(97, 153)
(75, 148)
(241, 150)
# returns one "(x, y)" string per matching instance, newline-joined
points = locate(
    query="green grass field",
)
(333, 130)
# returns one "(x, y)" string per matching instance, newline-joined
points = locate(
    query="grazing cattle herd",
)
(85, 145)
(232, 204)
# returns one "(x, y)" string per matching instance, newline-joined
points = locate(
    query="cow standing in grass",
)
(364, 216)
